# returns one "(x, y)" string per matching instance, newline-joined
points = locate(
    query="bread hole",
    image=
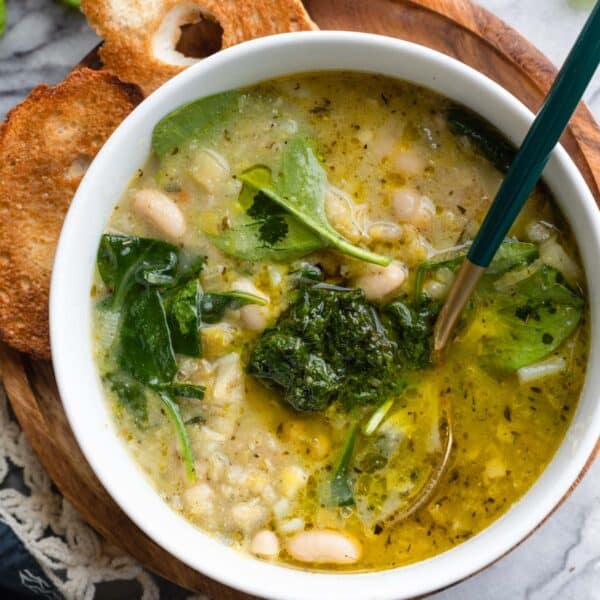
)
(200, 39)
(186, 35)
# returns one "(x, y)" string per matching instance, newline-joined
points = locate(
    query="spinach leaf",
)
(181, 306)
(300, 190)
(509, 256)
(486, 138)
(185, 390)
(256, 235)
(196, 120)
(131, 395)
(124, 261)
(528, 322)
(174, 414)
(328, 346)
(214, 305)
(144, 348)
(413, 326)
(341, 486)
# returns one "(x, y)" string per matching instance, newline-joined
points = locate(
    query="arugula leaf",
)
(528, 322)
(341, 486)
(131, 395)
(196, 120)
(488, 140)
(174, 414)
(300, 190)
(72, 3)
(214, 305)
(181, 306)
(124, 261)
(509, 256)
(144, 348)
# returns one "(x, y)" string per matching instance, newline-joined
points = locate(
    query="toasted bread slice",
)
(141, 37)
(46, 145)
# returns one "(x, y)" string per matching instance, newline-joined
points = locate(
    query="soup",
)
(263, 312)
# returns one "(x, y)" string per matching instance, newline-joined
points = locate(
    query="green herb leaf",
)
(144, 345)
(131, 395)
(196, 120)
(528, 321)
(181, 306)
(273, 227)
(124, 261)
(300, 190)
(214, 305)
(174, 414)
(341, 487)
(487, 139)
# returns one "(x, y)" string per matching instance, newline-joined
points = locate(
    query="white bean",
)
(412, 207)
(385, 232)
(265, 543)
(378, 282)
(159, 211)
(253, 316)
(324, 546)
(409, 163)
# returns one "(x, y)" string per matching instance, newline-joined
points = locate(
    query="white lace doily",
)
(73, 556)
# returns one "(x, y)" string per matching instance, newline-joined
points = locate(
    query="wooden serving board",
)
(458, 28)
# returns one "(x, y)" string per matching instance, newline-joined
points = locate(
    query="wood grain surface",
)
(457, 28)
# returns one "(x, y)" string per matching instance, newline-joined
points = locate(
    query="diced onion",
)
(542, 369)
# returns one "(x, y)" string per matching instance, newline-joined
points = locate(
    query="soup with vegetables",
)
(264, 302)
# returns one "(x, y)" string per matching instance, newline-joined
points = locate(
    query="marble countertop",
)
(561, 560)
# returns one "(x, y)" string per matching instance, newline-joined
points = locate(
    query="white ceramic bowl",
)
(70, 314)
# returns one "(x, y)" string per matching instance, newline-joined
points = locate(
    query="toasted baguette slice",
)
(140, 37)
(46, 145)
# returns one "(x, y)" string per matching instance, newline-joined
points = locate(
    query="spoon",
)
(529, 162)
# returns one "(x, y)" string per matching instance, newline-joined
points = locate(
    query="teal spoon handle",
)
(544, 134)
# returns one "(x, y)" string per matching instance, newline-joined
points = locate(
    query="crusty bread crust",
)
(128, 28)
(46, 144)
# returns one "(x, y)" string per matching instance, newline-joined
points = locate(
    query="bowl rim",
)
(205, 553)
